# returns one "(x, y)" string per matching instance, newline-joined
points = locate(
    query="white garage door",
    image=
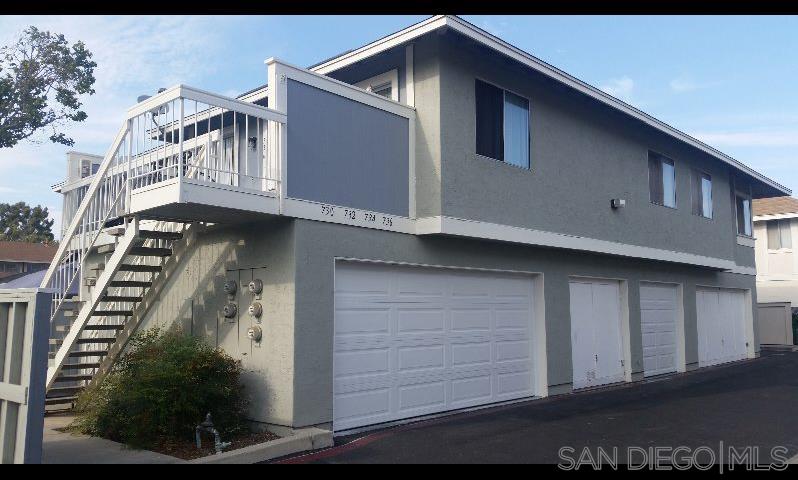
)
(596, 340)
(412, 341)
(721, 326)
(658, 317)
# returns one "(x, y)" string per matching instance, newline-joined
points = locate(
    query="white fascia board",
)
(477, 229)
(499, 45)
(775, 216)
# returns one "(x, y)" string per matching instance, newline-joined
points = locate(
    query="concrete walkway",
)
(62, 447)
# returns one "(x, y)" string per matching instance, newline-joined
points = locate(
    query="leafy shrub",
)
(161, 389)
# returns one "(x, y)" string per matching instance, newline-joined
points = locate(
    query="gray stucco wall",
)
(193, 298)
(318, 244)
(346, 153)
(582, 155)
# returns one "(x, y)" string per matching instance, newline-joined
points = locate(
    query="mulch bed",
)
(188, 450)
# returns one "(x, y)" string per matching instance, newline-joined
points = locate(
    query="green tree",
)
(22, 223)
(41, 79)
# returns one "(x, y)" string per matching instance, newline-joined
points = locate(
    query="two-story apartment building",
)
(434, 221)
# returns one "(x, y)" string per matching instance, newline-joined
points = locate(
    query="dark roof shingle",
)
(27, 252)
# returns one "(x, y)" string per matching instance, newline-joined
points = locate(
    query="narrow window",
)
(701, 194)
(779, 235)
(502, 125)
(661, 180)
(743, 205)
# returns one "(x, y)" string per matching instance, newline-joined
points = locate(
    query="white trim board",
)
(481, 36)
(476, 229)
(775, 216)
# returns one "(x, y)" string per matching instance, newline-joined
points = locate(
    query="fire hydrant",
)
(207, 427)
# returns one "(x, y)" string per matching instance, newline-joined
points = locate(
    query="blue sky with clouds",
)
(730, 81)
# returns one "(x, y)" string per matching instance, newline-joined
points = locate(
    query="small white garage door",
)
(721, 326)
(596, 339)
(658, 322)
(413, 341)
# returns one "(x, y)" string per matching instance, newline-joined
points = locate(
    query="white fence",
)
(24, 330)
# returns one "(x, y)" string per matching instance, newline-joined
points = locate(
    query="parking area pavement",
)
(750, 404)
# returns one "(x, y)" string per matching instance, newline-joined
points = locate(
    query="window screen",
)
(701, 195)
(779, 235)
(743, 205)
(661, 180)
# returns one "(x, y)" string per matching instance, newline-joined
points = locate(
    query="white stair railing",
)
(104, 200)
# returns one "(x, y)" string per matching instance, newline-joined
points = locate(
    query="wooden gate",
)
(24, 330)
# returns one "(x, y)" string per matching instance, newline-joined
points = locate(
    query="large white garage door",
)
(596, 340)
(721, 326)
(412, 341)
(658, 319)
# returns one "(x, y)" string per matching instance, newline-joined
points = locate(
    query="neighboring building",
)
(20, 258)
(478, 227)
(775, 227)
(81, 168)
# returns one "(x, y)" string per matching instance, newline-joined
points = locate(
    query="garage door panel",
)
(361, 362)
(471, 388)
(469, 320)
(471, 353)
(420, 358)
(413, 320)
(453, 339)
(362, 321)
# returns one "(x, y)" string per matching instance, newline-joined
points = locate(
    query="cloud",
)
(763, 138)
(619, 87)
(686, 84)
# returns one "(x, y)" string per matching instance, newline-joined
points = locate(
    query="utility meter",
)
(256, 309)
(230, 287)
(230, 310)
(255, 286)
(255, 333)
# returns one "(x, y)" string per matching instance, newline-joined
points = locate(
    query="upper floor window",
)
(661, 180)
(779, 235)
(385, 84)
(502, 121)
(701, 194)
(742, 204)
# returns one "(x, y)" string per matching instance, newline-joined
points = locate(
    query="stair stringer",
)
(121, 251)
(149, 299)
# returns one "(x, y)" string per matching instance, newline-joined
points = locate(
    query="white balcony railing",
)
(181, 134)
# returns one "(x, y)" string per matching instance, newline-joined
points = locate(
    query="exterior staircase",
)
(132, 263)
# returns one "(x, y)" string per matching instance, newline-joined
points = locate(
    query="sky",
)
(731, 81)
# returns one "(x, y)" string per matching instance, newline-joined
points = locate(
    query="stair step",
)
(113, 222)
(121, 298)
(112, 313)
(72, 378)
(103, 327)
(154, 234)
(106, 248)
(139, 268)
(96, 340)
(130, 283)
(151, 251)
(89, 353)
(57, 392)
(60, 400)
(79, 366)
(56, 341)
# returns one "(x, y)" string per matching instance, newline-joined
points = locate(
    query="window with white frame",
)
(502, 125)
(701, 194)
(742, 205)
(661, 180)
(385, 84)
(779, 235)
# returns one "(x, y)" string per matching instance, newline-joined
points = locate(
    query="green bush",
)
(161, 389)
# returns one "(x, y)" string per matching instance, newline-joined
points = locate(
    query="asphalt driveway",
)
(750, 404)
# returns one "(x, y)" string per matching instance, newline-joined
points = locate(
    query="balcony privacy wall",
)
(346, 153)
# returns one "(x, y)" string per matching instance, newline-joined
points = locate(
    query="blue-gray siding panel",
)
(346, 153)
